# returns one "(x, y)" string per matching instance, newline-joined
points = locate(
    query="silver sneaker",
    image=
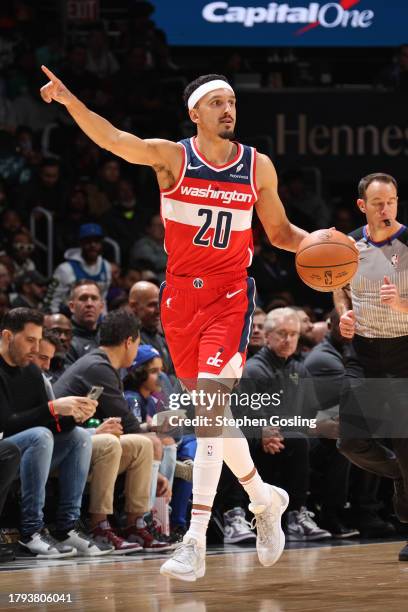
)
(302, 528)
(43, 546)
(187, 562)
(270, 540)
(236, 527)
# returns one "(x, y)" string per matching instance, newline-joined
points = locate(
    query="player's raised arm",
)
(154, 152)
(270, 210)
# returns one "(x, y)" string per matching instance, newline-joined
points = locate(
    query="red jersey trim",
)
(212, 166)
(181, 175)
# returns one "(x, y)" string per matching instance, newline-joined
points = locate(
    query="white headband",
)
(205, 89)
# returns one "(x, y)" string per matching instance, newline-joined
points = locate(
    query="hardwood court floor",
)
(354, 578)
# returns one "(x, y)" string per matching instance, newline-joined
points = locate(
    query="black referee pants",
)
(374, 406)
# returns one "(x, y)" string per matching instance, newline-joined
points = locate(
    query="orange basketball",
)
(326, 260)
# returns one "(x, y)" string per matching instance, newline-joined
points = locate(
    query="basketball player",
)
(209, 185)
(374, 315)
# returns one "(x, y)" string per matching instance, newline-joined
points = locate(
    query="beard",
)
(227, 135)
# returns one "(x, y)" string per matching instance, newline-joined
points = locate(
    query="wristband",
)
(55, 415)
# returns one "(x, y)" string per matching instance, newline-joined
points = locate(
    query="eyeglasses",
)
(282, 335)
(22, 246)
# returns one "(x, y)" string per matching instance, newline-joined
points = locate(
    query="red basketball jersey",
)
(208, 213)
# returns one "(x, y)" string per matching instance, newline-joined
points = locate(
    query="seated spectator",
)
(325, 362)
(81, 263)
(47, 437)
(9, 464)
(106, 189)
(150, 247)
(47, 189)
(144, 302)
(119, 338)
(320, 329)
(48, 346)
(273, 369)
(31, 288)
(272, 270)
(60, 325)
(257, 339)
(306, 338)
(86, 306)
(20, 250)
(141, 384)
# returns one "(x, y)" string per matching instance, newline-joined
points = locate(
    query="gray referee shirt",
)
(376, 260)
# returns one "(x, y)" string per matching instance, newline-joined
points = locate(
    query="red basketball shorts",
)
(207, 323)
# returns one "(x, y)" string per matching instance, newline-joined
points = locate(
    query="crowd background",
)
(105, 251)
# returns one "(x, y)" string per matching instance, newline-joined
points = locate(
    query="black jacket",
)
(27, 404)
(267, 373)
(83, 341)
(325, 364)
(95, 368)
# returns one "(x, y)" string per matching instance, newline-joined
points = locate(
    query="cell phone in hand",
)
(95, 393)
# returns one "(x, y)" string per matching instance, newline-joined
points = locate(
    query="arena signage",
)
(342, 134)
(283, 23)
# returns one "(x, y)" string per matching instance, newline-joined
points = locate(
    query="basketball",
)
(326, 260)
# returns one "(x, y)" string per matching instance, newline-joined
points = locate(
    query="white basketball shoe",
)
(187, 562)
(270, 540)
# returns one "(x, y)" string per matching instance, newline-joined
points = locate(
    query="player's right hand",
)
(347, 324)
(55, 89)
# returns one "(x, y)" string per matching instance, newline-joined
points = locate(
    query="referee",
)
(373, 313)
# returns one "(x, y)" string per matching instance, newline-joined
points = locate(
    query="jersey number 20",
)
(222, 230)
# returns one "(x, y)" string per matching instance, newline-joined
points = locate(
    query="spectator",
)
(150, 247)
(119, 343)
(106, 190)
(31, 288)
(273, 369)
(22, 246)
(11, 224)
(49, 344)
(144, 302)
(86, 306)
(306, 338)
(141, 384)
(85, 262)
(325, 362)
(61, 327)
(257, 339)
(272, 270)
(44, 431)
(46, 189)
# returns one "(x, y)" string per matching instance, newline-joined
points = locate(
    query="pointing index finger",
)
(49, 74)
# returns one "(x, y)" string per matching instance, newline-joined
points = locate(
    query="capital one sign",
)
(326, 15)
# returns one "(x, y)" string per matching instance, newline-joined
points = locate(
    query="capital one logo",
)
(328, 15)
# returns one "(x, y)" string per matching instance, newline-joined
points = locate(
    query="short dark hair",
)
(370, 178)
(82, 283)
(259, 311)
(206, 78)
(118, 326)
(17, 318)
(135, 378)
(51, 336)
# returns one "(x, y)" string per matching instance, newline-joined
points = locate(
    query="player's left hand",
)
(389, 294)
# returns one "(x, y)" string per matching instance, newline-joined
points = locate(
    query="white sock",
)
(206, 474)
(239, 460)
